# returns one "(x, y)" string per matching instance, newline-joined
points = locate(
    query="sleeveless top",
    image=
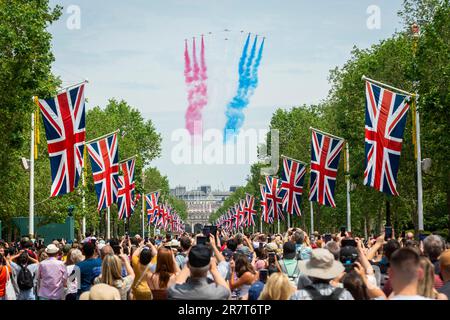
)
(158, 294)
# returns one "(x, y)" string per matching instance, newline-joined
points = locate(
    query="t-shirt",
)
(445, 289)
(255, 290)
(31, 267)
(88, 272)
(303, 252)
(3, 276)
(198, 289)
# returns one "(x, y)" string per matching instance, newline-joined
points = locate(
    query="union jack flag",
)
(325, 153)
(65, 129)
(152, 206)
(274, 201)
(250, 213)
(291, 188)
(240, 214)
(125, 196)
(105, 169)
(264, 207)
(386, 114)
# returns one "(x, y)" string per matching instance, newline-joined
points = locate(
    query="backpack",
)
(316, 295)
(293, 278)
(25, 278)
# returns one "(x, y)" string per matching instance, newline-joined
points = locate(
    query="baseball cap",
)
(199, 256)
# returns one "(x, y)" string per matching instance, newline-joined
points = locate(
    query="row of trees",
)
(413, 64)
(25, 71)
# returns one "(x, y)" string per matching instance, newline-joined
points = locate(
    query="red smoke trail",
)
(197, 90)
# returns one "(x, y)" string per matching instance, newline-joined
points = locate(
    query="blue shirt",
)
(89, 269)
(255, 290)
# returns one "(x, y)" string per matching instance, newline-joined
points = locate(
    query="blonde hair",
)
(111, 270)
(277, 287)
(425, 287)
(75, 256)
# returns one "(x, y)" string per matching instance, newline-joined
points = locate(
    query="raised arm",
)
(377, 245)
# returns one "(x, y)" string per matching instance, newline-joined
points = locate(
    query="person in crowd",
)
(140, 262)
(289, 263)
(164, 275)
(89, 266)
(405, 274)
(101, 291)
(278, 287)
(25, 269)
(433, 246)
(51, 276)
(112, 274)
(242, 275)
(257, 287)
(181, 256)
(74, 256)
(444, 266)
(321, 268)
(231, 246)
(302, 247)
(5, 273)
(65, 251)
(192, 283)
(260, 261)
(426, 283)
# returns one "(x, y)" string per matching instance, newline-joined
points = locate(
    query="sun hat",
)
(173, 243)
(101, 291)
(272, 247)
(51, 249)
(321, 265)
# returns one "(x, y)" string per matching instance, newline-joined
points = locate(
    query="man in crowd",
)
(404, 274)
(51, 276)
(321, 269)
(181, 257)
(89, 267)
(192, 282)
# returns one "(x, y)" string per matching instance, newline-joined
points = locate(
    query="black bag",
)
(25, 278)
(316, 295)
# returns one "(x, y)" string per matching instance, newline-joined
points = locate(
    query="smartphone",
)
(206, 231)
(263, 273)
(327, 238)
(348, 243)
(201, 240)
(271, 257)
(342, 231)
(422, 237)
(387, 233)
(146, 240)
(261, 246)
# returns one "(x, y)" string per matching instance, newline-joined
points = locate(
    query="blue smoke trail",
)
(248, 81)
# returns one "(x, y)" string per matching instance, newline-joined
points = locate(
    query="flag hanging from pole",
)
(65, 129)
(274, 201)
(386, 114)
(291, 188)
(152, 206)
(126, 187)
(264, 208)
(104, 157)
(325, 153)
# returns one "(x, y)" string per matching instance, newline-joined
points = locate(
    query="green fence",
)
(48, 232)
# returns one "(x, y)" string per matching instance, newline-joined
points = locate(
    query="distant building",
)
(201, 203)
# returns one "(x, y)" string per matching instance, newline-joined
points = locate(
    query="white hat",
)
(51, 249)
(321, 265)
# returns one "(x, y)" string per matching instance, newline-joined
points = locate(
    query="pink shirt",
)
(52, 275)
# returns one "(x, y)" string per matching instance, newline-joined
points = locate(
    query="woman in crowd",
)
(74, 280)
(140, 262)
(164, 275)
(277, 287)
(112, 274)
(243, 275)
(260, 262)
(5, 272)
(426, 284)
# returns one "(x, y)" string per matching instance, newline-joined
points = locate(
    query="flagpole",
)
(83, 204)
(128, 159)
(101, 137)
(31, 208)
(288, 219)
(73, 85)
(349, 210)
(387, 86)
(326, 133)
(419, 172)
(143, 202)
(108, 227)
(312, 216)
(278, 224)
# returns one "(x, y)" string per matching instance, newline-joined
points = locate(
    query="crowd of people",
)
(221, 266)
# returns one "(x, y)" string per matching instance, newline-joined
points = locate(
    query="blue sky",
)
(133, 50)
